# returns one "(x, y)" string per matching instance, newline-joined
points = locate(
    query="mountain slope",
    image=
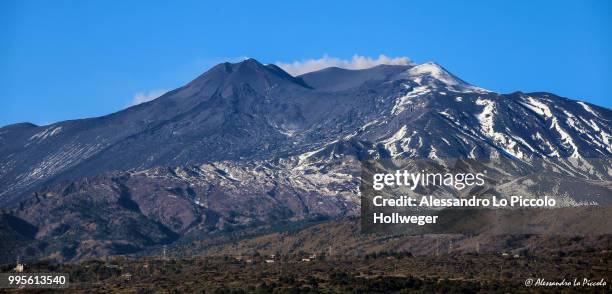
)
(250, 111)
(247, 145)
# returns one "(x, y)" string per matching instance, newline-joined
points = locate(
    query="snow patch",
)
(400, 134)
(46, 133)
(588, 108)
(403, 101)
(565, 137)
(485, 118)
(397, 142)
(433, 71)
(538, 107)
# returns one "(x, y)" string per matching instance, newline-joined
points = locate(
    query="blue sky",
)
(72, 59)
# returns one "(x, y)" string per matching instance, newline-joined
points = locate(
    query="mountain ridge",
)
(280, 114)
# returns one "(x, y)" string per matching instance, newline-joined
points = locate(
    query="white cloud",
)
(146, 96)
(357, 62)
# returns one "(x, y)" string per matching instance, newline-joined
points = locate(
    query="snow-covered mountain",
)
(249, 111)
(290, 144)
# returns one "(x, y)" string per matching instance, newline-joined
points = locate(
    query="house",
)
(127, 276)
(19, 267)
